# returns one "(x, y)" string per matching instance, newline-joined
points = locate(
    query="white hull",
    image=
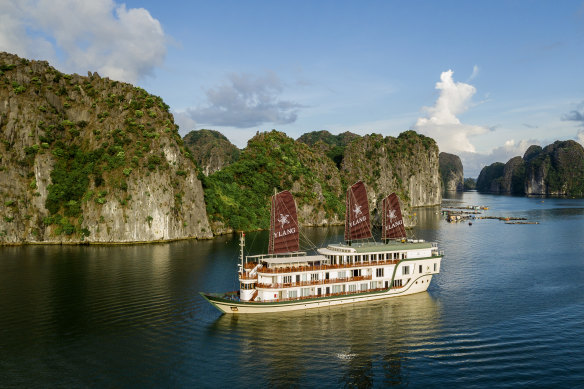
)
(416, 285)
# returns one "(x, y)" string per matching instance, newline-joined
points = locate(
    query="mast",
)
(241, 246)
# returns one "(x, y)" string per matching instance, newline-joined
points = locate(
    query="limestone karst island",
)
(86, 159)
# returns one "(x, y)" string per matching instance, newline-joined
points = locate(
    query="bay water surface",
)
(507, 310)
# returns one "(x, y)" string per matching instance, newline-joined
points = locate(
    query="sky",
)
(485, 79)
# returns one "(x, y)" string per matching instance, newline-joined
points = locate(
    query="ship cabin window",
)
(293, 294)
(305, 292)
(336, 288)
(420, 267)
(287, 279)
(373, 285)
(356, 272)
(303, 276)
(405, 270)
(352, 288)
(379, 272)
(314, 277)
(435, 267)
(342, 274)
(363, 287)
(397, 283)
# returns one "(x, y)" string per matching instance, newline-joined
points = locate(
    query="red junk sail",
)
(392, 226)
(357, 219)
(284, 233)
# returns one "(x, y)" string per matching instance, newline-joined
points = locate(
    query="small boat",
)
(355, 270)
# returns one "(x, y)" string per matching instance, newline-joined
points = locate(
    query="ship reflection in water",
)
(352, 345)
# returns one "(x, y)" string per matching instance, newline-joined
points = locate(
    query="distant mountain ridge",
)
(555, 170)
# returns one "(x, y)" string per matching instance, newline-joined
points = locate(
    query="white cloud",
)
(185, 122)
(77, 36)
(580, 137)
(577, 115)
(474, 162)
(246, 101)
(475, 73)
(442, 123)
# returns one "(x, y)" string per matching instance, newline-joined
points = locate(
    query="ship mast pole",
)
(241, 246)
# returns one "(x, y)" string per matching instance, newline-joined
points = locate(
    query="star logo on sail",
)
(357, 210)
(284, 220)
(391, 214)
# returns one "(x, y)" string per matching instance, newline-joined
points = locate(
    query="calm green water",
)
(507, 310)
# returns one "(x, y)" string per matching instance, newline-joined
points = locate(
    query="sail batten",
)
(392, 221)
(357, 218)
(284, 232)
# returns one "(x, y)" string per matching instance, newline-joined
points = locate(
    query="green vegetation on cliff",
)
(332, 145)
(561, 165)
(76, 149)
(238, 195)
(451, 172)
(557, 169)
(211, 150)
(490, 177)
(470, 184)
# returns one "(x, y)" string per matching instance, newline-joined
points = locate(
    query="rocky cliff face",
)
(407, 165)
(556, 170)
(88, 159)
(490, 178)
(451, 172)
(211, 149)
(513, 177)
(332, 145)
(238, 195)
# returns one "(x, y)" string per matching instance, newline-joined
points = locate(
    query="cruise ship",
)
(358, 269)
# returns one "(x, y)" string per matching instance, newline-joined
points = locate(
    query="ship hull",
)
(230, 306)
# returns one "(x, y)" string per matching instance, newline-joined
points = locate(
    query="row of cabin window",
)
(368, 257)
(316, 276)
(379, 272)
(363, 287)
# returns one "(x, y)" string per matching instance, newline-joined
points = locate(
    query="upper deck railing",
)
(313, 282)
(296, 269)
